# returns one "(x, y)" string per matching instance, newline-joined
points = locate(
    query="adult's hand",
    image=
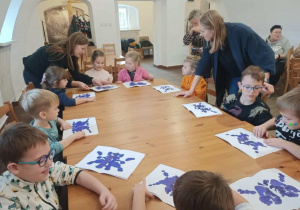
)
(185, 94)
(195, 29)
(268, 88)
(96, 82)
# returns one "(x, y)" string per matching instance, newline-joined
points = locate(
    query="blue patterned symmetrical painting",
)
(202, 109)
(84, 95)
(168, 182)
(270, 189)
(88, 125)
(104, 88)
(136, 84)
(166, 89)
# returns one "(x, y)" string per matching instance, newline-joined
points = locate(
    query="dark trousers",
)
(279, 68)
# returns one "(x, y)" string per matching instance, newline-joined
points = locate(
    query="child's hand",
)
(107, 200)
(105, 82)
(185, 94)
(91, 99)
(118, 82)
(151, 77)
(79, 135)
(96, 82)
(140, 188)
(65, 126)
(267, 89)
(275, 142)
(260, 131)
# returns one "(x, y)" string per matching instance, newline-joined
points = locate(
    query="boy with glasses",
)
(246, 105)
(32, 176)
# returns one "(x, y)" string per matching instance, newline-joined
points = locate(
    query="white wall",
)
(261, 15)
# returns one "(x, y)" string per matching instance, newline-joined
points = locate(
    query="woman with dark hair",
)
(64, 54)
(229, 48)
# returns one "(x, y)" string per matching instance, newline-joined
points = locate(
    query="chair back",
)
(30, 86)
(109, 48)
(8, 110)
(119, 63)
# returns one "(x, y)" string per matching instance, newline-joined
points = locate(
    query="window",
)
(123, 18)
(128, 17)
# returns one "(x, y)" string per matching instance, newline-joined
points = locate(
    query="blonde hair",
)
(38, 100)
(212, 20)
(53, 73)
(135, 56)
(290, 102)
(195, 14)
(192, 60)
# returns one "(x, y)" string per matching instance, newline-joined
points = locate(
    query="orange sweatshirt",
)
(200, 89)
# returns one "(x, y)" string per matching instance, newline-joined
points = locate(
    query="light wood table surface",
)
(144, 120)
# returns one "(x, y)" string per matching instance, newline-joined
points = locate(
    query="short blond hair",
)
(290, 102)
(135, 56)
(192, 60)
(38, 100)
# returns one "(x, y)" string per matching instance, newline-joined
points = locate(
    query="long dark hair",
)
(53, 73)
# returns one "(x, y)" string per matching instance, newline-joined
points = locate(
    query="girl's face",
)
(291, 121)
(63, 83)
(99, 63)
(79, 50)
(187, 70)
(130, 65)
(195, 22)
(207, 34)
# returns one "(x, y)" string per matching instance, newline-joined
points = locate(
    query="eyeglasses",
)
(43, 159)
(254, 88)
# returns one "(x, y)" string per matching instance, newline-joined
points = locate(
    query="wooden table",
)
(144, 120)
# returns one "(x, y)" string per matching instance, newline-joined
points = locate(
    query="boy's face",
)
(289, 118)
(186, 69)
(34, 172)
(52, 112)
(249, 83)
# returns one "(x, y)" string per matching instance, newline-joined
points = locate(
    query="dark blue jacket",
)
(247, 47)
(64, 100)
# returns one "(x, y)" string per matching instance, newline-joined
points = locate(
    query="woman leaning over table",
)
(229, 48)
(63, 54)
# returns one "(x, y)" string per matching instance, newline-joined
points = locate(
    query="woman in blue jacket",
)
(64, 54)
(229, 49)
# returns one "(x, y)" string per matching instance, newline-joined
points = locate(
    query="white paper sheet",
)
(166, 88)
(84, 95)
(202, 109)
(269, 189)
(136, 84)
(161, 180)
(112, 161)
(88, 125)
(248, 143)
(104, 88)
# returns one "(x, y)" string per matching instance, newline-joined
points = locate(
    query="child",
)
(246, 105)
(55, 80)
(287, 124)
(133, 71)
(42, 105)
(188, 70)
(97, 72)
(197, 190)
(32, 176)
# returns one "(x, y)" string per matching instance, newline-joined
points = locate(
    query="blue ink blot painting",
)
(84, 95)
(104, 88)
(161, 181)
(246, 142)
(166, 89)
(202, 109)
(113, 161)
(136, 84)
(269, 189)
(88, 125)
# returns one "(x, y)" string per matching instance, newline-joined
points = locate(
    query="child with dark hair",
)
(247, 105)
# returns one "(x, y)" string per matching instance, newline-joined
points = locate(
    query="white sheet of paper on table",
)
(84, 95)
(248, 143)
(202, 109)
(136, 84)
(161, 180)
(88, 125)
(166, 89)
(269, 189)
(112, 161)
(104, 88)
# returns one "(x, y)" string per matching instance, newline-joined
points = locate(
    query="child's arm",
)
(81, 85)
(67, 141)
(291, 147)
(190, 92)
(107, 200)
(139, 193)
(83, 100)
(238, 199)
(63, 124)
(200, 90)
(262, 130)
(119, 82)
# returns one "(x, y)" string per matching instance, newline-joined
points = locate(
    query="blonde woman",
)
(229, 48)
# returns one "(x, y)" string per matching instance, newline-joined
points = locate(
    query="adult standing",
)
(64, 54)
(229, 48)
(193, 35)
(280, 45)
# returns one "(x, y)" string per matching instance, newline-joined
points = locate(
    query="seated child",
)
(97, 72)
(287, 124)
(197, 190)
(42, 105)
(55, 80)
(246, 105)
(29, 182)
(133, 71)
(188, 70)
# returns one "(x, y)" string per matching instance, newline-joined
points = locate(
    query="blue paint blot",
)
(280, 190)
(166, 88)
(244, 139)
(86, 95)
(203, 108)
(168, 182)
(109, 161)
(104, 88)
(137, 83)
(80, 126)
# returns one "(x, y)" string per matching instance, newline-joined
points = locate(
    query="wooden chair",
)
(285, 77)
(109, 48)
(30, 86)
(140, 50)
(294, 78)
(119, 63)
(146, 48)
(8, 110)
